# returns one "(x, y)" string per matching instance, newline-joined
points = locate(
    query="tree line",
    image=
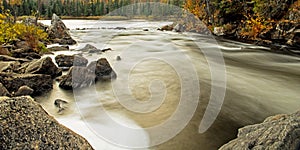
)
(79, 8)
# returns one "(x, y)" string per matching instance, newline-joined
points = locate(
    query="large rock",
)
(58, 32)
(24, 124)
(90, 48)
(3, 90)
(280, 132)
(9, 66)
(77, 77)
(43, 66)
(70, 60)
(40, 83)
(102, 69)
(25, 53)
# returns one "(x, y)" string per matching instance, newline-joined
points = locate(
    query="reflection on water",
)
(259, 84)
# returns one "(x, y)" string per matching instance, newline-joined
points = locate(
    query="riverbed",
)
(164, 72)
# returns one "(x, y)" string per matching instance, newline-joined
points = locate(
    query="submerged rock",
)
(280, 132)
(24, 124)
(60, 104)
(90, 48)
(40, 83)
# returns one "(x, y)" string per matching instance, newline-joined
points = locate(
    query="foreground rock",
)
(40, 83)
(70, 60)
(24, 124)
(59, 33)
(79, 77)
(42, 66)
(280, 132)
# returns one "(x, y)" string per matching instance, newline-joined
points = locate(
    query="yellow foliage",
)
(12, 31)
(255, 26)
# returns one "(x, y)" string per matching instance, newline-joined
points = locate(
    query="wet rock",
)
(102, 69)
(24, 90)
(70, 60)
(179, 28)
(118, 58)
(120, 28)
(40, 83)
(43, 66)
(3, 90)
(279, 132)
(9, 66)
(166, 28)
(60, 104)
(145, 29)
(89, 48)
(25, 124)
(77, 77)
(106, 49)
(59, 33)
(59, 48)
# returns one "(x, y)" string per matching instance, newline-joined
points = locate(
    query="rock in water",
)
(43, 66)
(40, 83)
(60, 104)
(280, 132)
(102, 69)
(77, 77)
(24, 124)
(59, 33)
(118, 58)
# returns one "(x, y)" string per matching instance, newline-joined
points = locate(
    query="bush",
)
(10, 32)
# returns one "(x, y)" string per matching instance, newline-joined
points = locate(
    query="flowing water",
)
(258, 84)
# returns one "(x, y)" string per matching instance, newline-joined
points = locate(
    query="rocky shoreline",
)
(279, 132)
(24, 72)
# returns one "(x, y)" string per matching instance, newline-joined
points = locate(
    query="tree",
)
(14, 4)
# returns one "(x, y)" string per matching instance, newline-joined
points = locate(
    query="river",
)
(175, 68)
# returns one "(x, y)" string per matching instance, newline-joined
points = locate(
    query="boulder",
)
(24, 90)
(25, 53)
(24, 124)
(89, 48)
(3, 90)
(60, 104)
(77, 77)
(179, 28)
(58, 32)
(102, 69)
(40, 83)
(9, 66)
(70, 60)
(279, 132)
(43, 66)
